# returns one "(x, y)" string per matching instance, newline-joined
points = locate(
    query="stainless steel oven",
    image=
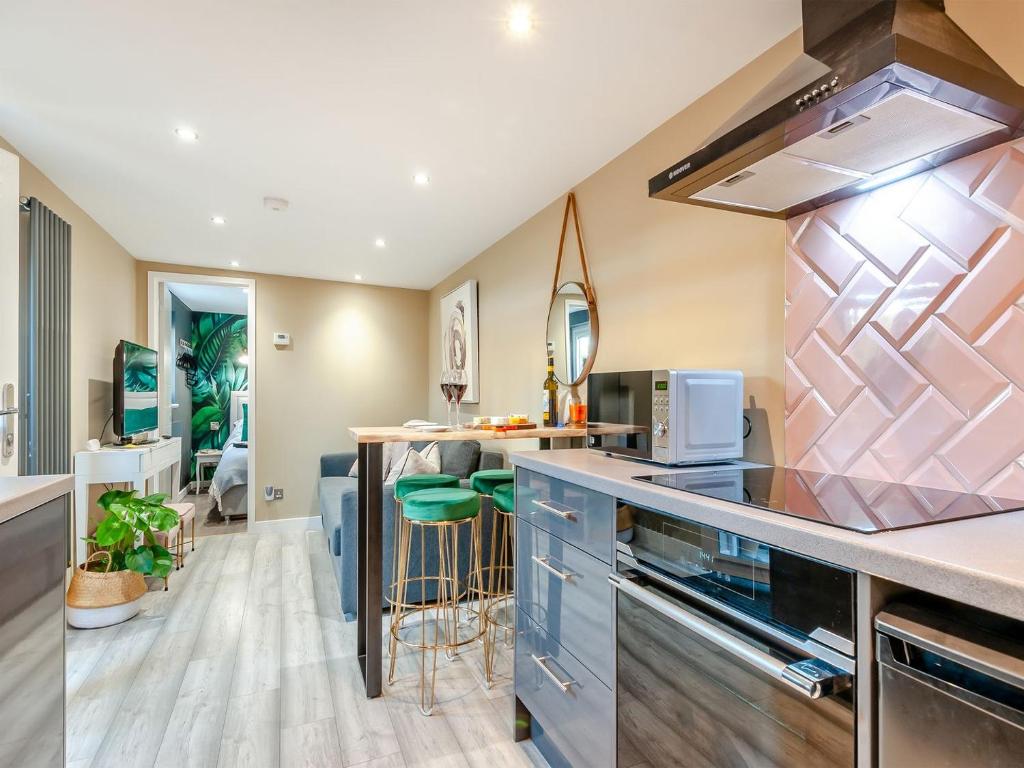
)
(730, 652)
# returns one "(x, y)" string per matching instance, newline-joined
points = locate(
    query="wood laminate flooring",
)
(209, 523)
(246, 661)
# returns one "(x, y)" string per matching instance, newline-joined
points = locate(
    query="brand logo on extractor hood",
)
(676, 171)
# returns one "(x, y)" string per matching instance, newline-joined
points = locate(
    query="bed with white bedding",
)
(230, 484)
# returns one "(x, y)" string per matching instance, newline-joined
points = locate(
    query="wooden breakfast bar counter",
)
(370, 442)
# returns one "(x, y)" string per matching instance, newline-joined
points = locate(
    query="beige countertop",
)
(404, 435)
(20, 494)
(978, 561)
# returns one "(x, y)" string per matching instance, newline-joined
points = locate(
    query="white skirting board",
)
(315, 523)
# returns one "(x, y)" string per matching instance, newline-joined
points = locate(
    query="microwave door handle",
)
(812, 678)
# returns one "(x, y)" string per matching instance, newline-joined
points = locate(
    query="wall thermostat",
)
(282, 339)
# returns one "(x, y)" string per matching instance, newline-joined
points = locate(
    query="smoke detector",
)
(275, 203)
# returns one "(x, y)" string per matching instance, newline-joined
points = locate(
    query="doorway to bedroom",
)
(203, 327)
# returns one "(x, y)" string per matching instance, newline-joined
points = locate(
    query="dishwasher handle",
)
(811, 677)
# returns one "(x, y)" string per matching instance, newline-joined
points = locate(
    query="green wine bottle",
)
(551, 392)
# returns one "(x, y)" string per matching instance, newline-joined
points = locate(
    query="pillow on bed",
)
(413, 462)
(235, 435)
(245, 422)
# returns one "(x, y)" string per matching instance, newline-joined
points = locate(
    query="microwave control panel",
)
(661, 401)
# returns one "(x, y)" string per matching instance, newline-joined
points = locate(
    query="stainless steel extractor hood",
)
(884, 89)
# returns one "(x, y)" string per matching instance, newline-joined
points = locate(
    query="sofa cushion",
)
(332, 489)
(336, 464)
(460, 458)
(415, 462)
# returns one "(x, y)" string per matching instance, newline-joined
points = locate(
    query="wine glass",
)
(459, 385)
(446, 391)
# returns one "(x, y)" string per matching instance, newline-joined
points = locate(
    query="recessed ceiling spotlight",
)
(234, 263)
(520, 20)
(358, 277)
(380, 242)
(421, 179)
(218, 220)
(186, 134)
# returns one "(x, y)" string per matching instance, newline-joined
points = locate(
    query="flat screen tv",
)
(135, 390)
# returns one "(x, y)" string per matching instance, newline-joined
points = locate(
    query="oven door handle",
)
(811, 677)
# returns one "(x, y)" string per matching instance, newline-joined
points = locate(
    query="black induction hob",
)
(868, 506)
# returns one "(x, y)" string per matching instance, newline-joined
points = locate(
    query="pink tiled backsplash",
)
(905, 330)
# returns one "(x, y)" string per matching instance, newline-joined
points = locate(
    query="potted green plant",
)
(107, 587)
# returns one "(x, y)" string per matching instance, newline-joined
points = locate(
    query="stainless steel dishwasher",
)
(951, 688)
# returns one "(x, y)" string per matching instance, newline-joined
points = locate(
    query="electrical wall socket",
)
(278, 494)
(268, 493)
(214, 426)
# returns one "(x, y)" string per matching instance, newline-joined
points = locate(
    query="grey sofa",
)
(338, 498)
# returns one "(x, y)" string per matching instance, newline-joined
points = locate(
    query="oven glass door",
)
(620, 413)
(687, 699)
(798, 594)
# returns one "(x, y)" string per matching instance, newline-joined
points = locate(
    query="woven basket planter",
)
(102, 598)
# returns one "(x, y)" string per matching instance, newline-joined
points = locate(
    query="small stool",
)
(186, 516)
(403, 487)
(444, 510)
(170, 540)
(498, 613)
(499, 567)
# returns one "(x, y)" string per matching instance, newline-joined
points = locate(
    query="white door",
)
(9, 286)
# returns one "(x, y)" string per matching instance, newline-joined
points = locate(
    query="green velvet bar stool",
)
(499, 612)
(440, 511)
(403, 487)
(484, 482)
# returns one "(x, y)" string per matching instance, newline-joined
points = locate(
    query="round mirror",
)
(572, 333)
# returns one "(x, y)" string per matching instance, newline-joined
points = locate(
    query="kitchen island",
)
(571, 694)
(370, 442)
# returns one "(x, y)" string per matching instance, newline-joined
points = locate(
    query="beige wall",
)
(677, 286)
(358, 357)
(102, 300)
(996, 26)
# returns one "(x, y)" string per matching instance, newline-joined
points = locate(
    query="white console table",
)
(120, 465)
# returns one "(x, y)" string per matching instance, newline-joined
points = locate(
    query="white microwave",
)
(667, 416)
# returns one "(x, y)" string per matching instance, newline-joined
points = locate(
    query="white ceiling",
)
(200, 297)
(335, 104)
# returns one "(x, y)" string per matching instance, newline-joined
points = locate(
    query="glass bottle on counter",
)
(550, 403)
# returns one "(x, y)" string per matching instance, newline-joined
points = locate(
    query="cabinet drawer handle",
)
(566, 513)
(542, 662)
(545, 563)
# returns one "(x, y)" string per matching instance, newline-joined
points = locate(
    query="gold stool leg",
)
(395, 557)
(503, 532)
(444, 611)
(402, 592)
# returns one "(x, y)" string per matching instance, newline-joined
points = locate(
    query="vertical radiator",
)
(45, 342)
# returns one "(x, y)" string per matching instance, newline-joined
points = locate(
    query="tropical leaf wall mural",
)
(218, 342)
